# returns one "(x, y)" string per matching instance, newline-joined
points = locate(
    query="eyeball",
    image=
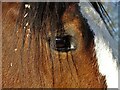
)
(64, 43)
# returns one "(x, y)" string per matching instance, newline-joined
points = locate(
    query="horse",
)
(48, 45)
(0, 46)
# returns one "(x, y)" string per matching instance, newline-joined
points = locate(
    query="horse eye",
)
(64, 43)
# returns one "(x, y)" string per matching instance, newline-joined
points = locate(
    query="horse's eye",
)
(64, 43)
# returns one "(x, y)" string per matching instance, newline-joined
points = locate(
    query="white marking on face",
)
(105, 46)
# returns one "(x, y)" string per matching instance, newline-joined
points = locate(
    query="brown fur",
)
(75, 69)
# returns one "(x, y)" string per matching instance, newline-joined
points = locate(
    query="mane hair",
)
(40, 14)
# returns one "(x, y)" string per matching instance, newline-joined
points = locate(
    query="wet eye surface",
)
(64, 43)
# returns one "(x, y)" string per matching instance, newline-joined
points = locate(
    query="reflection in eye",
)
(64, 43)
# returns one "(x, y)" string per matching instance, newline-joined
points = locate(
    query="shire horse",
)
(48, 45)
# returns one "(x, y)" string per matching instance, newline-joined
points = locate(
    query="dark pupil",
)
(63, 43)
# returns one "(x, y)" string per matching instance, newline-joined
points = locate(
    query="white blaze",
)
(105, 46)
